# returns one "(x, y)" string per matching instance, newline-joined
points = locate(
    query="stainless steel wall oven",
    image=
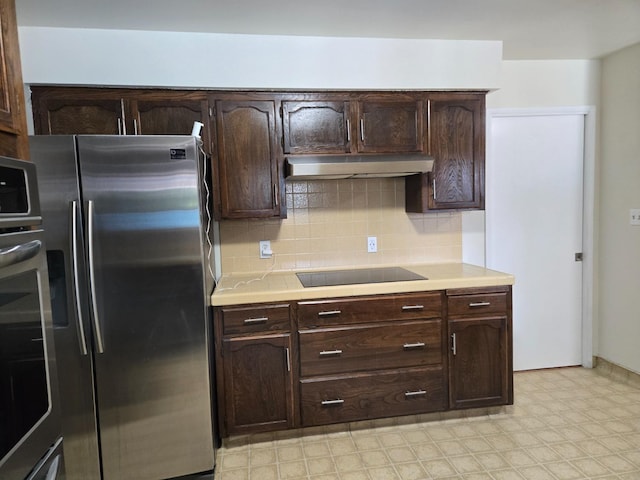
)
(30, 438)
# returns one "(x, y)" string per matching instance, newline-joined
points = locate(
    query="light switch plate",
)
(634, 216)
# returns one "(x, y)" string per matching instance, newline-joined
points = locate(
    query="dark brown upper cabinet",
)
(105, 111)
(353, 123)
(14, 141)
(247, 158)
(390, 126)
(456, 140)
(316, 127)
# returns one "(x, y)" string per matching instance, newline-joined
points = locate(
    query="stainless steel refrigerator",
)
(125, 227)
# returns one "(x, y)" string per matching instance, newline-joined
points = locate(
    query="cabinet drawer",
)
(477, 304)
(348, 398)
(319, 313)
(252, 319)
(360, 348)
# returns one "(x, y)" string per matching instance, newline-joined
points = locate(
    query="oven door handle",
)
(76, 277)
(92, 277)
(19, 253)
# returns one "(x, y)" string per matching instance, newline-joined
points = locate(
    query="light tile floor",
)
(566, 424)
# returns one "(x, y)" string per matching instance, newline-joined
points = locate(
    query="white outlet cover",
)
(634, 216)
(372, 244)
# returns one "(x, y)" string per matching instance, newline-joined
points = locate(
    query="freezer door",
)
(145, 256)
(55, 159)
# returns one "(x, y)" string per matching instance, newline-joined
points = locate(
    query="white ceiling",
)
(529, 29)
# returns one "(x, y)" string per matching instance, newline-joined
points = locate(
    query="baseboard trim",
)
(616, 372)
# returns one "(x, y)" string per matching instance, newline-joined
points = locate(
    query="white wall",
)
(619, 306)
(143, 58)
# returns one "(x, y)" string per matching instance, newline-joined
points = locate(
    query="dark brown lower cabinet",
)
(480, 348)
(334, 360)
(478, 362)
(258, 383)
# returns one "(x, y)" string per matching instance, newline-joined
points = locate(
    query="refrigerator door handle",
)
(75, 276)
(92, 279)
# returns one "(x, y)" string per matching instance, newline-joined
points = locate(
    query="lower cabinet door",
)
(479, 367)
(349, 398)
(258, 383)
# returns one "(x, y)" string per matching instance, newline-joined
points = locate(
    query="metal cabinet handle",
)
(119, 126)
(429, 127)
(415, 393)
(324, 353)
(332, 402)
(76, 276)
(454, 346)
(135, 126)
(362, 129)
(479, 304)
(275, 194)
(412, 307)
(329, 312)
(408, 346)
(250, 321)
(433, 182)
(122, 126)
(92, 277)
(288, 359)
(348, 130)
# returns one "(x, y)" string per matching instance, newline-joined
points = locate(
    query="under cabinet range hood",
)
(335, 167)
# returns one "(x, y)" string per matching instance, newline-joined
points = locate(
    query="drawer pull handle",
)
(415, 393)
(338, 401)
(412, 307)
(408, 346)
(329, 313)
(454, 344)
(330, 352)
(250, 321)
(479, 304)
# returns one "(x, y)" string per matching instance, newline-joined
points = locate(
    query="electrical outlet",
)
(372, 244)
(634, 216)
(265, 249)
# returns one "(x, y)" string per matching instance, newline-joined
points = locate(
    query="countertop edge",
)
(283, 286)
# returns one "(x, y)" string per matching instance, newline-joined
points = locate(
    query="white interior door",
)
(534, 211)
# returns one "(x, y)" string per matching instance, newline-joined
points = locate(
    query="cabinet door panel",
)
(316, 127)
(390, 126)
(167, 117)
(479, 362)
(247, 158)
(77, 116)
(456, 133)
(258, 389)
(13, 119)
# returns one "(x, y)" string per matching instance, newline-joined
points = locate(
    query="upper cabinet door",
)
(316, 127)
(457, 142)
(390, 126)
(80, 116)
(247, 158)
(13, 118)
(67, 112)
(167, 116)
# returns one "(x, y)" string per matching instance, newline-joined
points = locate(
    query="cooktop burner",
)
(352, 277)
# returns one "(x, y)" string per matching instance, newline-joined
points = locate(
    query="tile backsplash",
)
(328, 224)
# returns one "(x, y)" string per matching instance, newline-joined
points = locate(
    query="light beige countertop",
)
(278, 286)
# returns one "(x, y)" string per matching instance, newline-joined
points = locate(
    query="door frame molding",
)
(589, 245)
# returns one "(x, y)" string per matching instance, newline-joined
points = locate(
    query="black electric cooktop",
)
(353, 277)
